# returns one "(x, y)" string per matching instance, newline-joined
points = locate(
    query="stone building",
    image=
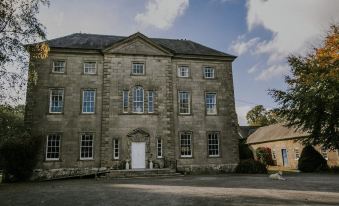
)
(102, 101)
(284, 145)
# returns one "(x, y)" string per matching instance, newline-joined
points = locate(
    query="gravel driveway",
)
(231, 189)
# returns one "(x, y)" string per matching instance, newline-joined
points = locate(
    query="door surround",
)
(139, 135)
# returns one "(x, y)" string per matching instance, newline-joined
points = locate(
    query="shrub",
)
(244, 151)
(251, 166)
(19, 157)
(311, 160)
(264, 155)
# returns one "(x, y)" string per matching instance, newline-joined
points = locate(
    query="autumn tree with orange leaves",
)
(311, 101)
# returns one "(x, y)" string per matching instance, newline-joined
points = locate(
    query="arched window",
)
(138, 99)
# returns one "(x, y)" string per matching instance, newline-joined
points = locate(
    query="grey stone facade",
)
(109, 121)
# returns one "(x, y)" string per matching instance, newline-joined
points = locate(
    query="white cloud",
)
(294, 24)
(295, 27)
(253, 69)
(161, 13)
(241, 112)
(241, 46)
(272, 71)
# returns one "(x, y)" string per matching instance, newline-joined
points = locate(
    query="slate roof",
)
(99, 42)
(273, 133)
(245, 131)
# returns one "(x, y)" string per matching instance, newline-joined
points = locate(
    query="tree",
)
(18, 26)
(311, 160)
(311, 101)
(259, 116)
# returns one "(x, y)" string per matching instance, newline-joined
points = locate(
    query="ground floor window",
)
(213, 144)
(86, 146)
(324, 153)
(115, 149)
(274, 156)
(186, 144)
(53, 147)
(159, 148)
(297, 153)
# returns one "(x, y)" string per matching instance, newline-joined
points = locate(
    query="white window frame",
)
(209, 70)
(136, 99)
(58, 66)
(209, 144)
(83, 101)
(90, 68)
(136, 68)
(296, 153)
(324, 153)
(92, 146)
(51, 100)
(53, 146)
(125, 100)
(180, 102)
(187, 143)
(213, 104)
(151, 96)
(183, 71)
(159, 148)
(116, 149)
(274, 154)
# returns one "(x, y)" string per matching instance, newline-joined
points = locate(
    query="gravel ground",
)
(231, 189)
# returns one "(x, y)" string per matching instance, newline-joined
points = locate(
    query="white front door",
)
(138, 155)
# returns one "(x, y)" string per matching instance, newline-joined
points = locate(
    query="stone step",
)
(140, 173)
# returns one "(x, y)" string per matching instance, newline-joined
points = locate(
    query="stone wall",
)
(290, 145)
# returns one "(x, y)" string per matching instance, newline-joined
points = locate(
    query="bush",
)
(251, 166)
(19, 157)
(244, 151)
(264, 155)
(311, 160)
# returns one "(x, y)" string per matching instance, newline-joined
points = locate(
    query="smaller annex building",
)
(284, 144)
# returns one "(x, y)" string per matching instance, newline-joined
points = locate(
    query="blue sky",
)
(262, 33)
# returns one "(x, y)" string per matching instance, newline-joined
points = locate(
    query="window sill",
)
(123, 113)
(84, 160)
(55, 113)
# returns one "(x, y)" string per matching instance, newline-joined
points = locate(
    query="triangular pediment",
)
(137, 44)
(138, 132)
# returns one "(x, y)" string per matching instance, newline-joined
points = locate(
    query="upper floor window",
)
(90, 67)
(184, 102)
(115, 149)
(125, 101)
(186, 144)
(59, 66)
(213, 144)
(86, 146)
(209, 73)
(138, 100)
(56, 100)
(183, 71)
(151, 95)
(53, 147)
(211, 103)
(88, 101)
(138, 69)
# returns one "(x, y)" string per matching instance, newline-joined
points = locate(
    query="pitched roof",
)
(273, 133)
(245, 131)
(100, 42)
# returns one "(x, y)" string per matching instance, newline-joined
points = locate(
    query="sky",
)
(262, 33)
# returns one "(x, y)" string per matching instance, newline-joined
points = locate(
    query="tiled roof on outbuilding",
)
(274, 132)
(99, 42)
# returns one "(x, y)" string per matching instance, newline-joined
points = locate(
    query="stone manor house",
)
(102, 101)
